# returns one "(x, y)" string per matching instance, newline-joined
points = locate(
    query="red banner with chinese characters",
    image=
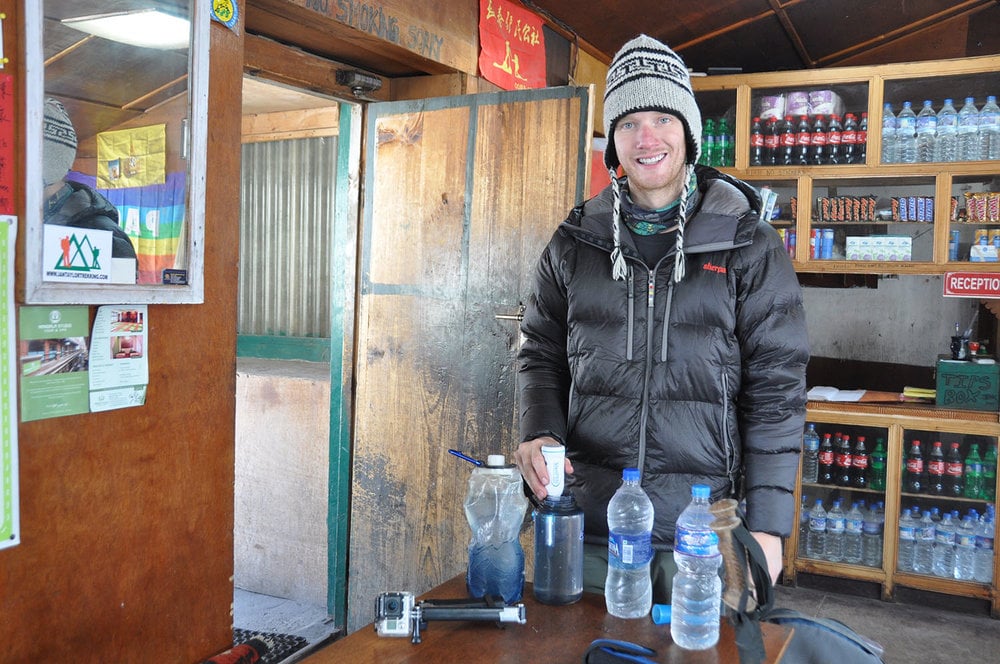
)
(512, 46)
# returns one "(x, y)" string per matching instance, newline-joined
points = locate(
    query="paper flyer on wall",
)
(119, 362)
(53, 361)
(10, 530)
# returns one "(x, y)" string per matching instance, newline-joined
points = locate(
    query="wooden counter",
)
(552, 635)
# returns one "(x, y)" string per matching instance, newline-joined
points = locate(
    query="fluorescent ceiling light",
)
(148, 28)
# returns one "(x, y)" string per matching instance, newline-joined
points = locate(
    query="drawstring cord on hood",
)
(619, 270)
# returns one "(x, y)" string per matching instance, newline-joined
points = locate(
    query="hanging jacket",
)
(715, 395)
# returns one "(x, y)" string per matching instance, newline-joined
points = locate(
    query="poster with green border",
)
(53, 352)
(10, 531)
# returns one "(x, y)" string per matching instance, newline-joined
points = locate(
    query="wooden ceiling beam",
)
(934, 21)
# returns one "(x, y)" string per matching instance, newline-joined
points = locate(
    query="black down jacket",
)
(716, 396)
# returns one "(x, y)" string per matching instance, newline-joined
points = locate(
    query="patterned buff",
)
(658, 221)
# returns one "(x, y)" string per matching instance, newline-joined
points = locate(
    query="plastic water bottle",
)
(926, 132)
(989, 129)
(943, 561)
(871, 539)
(968, 131)
(906, 134)
(946, 143)
(816, 542)
(836, 523)
(924, 544)
(965, 549)
(494, 506)
(907, 539)
(628, 590)
(810, 454)
(558, 550)
(804, 522)
(983, 567)
(890, 148)
(696, 595)
(854, 526)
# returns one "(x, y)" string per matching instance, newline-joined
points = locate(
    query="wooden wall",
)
(127, 516)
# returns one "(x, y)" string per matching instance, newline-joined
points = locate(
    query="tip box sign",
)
(972, 284)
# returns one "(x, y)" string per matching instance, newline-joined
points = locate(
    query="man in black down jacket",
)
(665, 330)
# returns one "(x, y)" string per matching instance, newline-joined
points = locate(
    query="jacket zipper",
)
(631, 314)
(727, 442)
(644, 413)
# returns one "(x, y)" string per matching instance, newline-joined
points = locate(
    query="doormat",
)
(282, 645)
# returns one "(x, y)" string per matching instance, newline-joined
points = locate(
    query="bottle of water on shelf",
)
(924, 544)
(907, 539)
(906, 134)
(853, 528)
(926, 132)
(696, 594)
(816, 542)
(871, 539)
(989, 129)
(965, 549)
(890, 151)
(968, 131)
(810, 454)
(628, 590)
(983, 568)
(836, 522)
(804, 522)
(946, 142)
(943, 558)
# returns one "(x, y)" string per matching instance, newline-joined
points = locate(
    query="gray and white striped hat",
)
(645, 75)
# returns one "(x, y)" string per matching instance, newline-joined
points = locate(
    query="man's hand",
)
(771, 544)
(531, 463)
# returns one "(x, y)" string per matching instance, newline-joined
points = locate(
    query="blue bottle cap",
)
(630, 474)
(700, 491)
(661, 614)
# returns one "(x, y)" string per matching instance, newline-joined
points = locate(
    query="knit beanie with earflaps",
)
(645, 75)
(59, 146)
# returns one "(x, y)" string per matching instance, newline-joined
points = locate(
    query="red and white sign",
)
(512, 46)
(972, 284)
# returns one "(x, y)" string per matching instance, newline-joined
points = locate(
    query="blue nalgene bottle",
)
(495, 507)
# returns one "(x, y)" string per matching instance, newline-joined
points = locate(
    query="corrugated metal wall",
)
(286, 227)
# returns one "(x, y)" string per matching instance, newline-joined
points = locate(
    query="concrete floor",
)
(263, 613)
(919, 628)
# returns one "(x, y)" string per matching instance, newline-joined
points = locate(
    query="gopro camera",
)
(394, 614)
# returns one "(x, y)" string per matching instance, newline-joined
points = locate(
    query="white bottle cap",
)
(496, 461)
(555, 460)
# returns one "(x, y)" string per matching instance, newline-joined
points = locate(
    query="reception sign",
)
(972, 284)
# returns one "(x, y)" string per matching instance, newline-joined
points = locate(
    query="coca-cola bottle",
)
(788, 140)
(862, 140)
(912, 482)
(843, 469)
(803, 139)
(826, 460)
(756, 143)
(817, 142)
(849, 139)
(772, 141)
(859, 464)
(834, 138)
(953, 467)
(935, 470)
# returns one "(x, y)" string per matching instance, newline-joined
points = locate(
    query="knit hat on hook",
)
(645, 75)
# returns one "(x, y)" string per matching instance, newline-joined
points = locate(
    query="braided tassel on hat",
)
(618, 268)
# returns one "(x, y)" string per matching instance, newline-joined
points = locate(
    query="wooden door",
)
(461, 195)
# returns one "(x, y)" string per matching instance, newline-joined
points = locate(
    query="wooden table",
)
(552, 635)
